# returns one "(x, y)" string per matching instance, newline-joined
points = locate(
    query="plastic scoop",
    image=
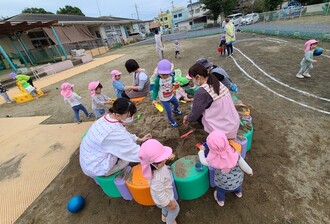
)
(187, 134)
(159, 107)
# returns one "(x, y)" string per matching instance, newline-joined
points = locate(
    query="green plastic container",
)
(108, 185)
(190, 183)
(249, 135)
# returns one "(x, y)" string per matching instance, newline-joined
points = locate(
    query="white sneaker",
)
(306, 74)
(220, 203)
(299, 76)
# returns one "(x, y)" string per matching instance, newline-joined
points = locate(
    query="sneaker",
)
(220, 203)
(78, 122)
(163, 217)
(89, 115)
(174, 124)
(299, 76)
(306, 74)
(177, 112)
(239, 194)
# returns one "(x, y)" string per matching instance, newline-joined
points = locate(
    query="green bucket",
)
(190, 182)
(108, 185)
(248, 135)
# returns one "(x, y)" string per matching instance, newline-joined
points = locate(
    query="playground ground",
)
(289, 154)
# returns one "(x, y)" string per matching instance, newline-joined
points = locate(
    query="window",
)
(166, 26)
(39, 39)
(161, 19)
(180, 15)
(175, 16)
(165, 18)
(197, 10)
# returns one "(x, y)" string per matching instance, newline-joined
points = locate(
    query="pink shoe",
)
(220, 203)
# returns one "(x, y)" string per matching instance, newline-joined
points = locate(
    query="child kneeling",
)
(227, 163)
(153, 156)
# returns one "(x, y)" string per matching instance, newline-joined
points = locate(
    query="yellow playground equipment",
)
(24, 96)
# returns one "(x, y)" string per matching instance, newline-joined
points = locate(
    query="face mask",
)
(128, 120)
(195, 82)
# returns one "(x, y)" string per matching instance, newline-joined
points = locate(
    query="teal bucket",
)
(108, 185)
(190, 182)
(249, 135)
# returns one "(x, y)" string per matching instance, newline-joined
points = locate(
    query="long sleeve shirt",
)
(99, 100)
(308, 58)
(73, 100)
(161, 187)
(106, 138)
(241, 162)
(119, 88)
(202, 101)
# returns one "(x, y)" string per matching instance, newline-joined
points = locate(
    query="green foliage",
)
(70, 10)
(312, 2)
(218, 6)
(36, 11)
(258, 6)
(271, 5)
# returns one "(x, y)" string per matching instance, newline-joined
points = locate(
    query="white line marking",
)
(280, 95)
(279, 82)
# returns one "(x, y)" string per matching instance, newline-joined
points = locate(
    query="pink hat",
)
(308, 44)
(92, 87)
(221, 156)
(188, 76)
(114, 73)
(66, 89)
(164, 67)
(152, 151)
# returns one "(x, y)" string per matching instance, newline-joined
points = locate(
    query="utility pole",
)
(172, 4)
(192, 12)
(98, 7)
(137, 13)
(161, 12)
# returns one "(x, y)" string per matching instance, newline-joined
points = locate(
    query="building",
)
(165, 20)
(198, 17)
(179, 14)
(41, 38)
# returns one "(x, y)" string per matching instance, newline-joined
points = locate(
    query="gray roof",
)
(63, 18)
(47, 17)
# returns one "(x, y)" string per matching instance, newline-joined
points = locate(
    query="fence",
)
(291, 12)
(303, 22)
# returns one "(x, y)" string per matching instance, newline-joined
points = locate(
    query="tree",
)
(218, 6)
(70, 10)
(271, 5)
(36, 11)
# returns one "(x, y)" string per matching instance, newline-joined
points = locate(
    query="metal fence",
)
(312, 21)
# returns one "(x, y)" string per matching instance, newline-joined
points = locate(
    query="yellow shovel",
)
(159, 107)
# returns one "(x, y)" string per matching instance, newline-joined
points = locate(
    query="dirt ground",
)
(289, 154)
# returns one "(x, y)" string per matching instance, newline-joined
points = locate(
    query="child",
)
(30, 89)
(118, 85)
(222, 45)
(4, 94)
(163, 88)
(307, 61)
(98, 99)
(228, 165)
(180, 92)
(74, 100)
(153, 156)
(177, 49)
